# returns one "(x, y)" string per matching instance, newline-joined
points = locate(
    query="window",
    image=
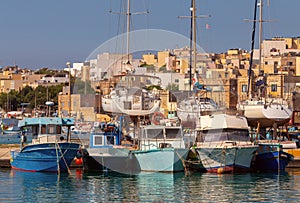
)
(244, 88)
(155, 133)
(289, 63)
(173, 133)
(98, 140)
(176, 80)
(110, 140)
(273, 88)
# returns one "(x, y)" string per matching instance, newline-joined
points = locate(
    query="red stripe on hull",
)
(19, 169)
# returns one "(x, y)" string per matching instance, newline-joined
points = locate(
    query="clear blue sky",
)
(47, 33)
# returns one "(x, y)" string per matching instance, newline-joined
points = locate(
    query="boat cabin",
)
(104, 139)
(158, 136)
(47, 129)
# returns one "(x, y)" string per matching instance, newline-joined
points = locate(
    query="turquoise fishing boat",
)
(162, 148)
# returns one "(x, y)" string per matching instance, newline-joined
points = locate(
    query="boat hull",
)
(161, 160)
(112, 106)
(266, 115)
(110, 159)
(271, 161)
(226, 159)
(46, 157)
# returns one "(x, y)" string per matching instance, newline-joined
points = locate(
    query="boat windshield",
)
(223, 135)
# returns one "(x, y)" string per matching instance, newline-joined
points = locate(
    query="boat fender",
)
(79, 161)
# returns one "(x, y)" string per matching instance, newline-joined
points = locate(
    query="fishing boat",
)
(130, 101)
(50, 150)
(110, 151)
(223, 143)
(270, 157)
(161, 147)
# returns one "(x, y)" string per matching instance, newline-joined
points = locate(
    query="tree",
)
(172, 87)
(35, 97)
(83, 87)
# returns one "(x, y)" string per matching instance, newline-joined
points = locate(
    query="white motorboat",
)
(223, 143)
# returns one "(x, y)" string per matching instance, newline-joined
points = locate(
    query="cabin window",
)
(110, 140)
(35, 130)
(223, 135)
(43, 129)
(173, 133)
(98, 140)
(273, 88)
(53, 129)
(244, 88)
(155, 133)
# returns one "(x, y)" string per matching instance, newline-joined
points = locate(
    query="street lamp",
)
(69, 66)
(7, 100)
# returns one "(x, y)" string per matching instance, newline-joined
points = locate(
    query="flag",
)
(207, 26)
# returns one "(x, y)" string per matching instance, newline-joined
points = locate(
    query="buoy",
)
(220, 170)
(157, 117)
(78, 161)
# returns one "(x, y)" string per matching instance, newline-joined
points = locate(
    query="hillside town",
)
(224, 76)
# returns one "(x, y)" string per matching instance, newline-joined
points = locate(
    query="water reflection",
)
(18, 186)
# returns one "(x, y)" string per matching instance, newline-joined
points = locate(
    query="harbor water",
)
(19, 186)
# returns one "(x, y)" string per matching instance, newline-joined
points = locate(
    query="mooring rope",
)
(62, 155)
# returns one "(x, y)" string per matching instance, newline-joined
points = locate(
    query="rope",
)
(187, 172)
(57, 159)
(62, 155)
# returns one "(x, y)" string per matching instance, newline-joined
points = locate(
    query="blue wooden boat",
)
(50, 150)
(270, 157)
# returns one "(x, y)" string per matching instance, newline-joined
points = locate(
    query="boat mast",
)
(128, 14)
(194, 34)
(260, 33)
(251, 53)
(260, 20)
(193, 40)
